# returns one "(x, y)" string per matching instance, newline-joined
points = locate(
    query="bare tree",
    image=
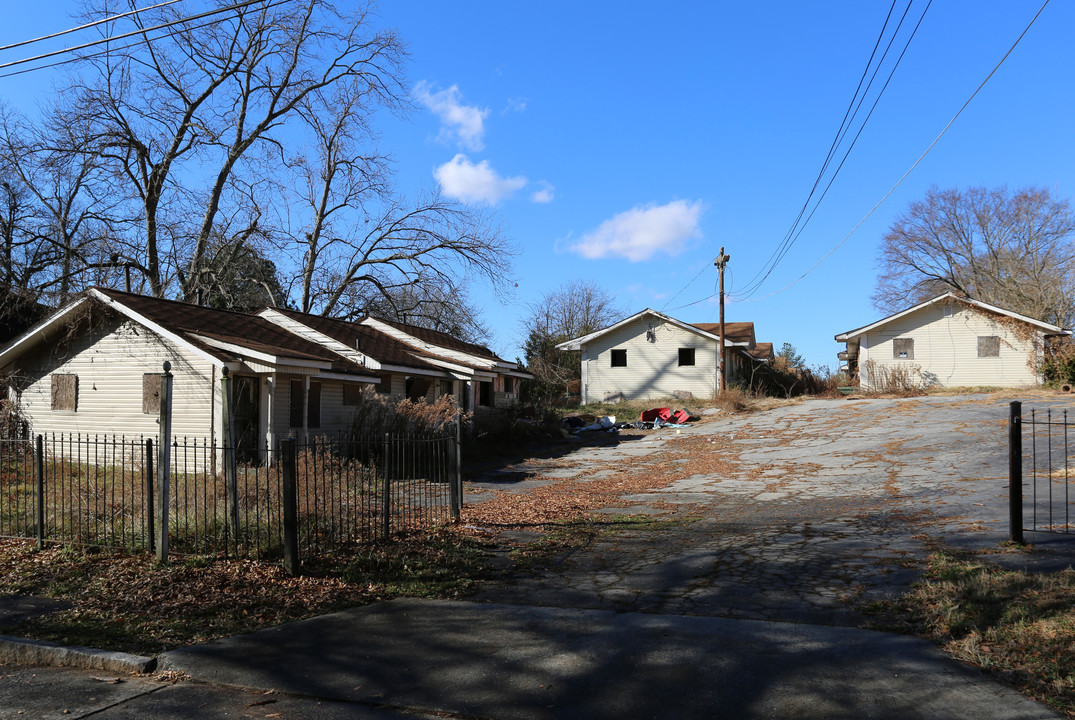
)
(1013, 250)
(571, 310)
(53, 230)
(185, 115)
(366, 251)
(430, 303)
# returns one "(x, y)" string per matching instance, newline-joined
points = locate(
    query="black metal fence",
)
(298, 498)
(1040, 499)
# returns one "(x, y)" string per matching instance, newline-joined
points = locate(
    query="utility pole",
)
(721, 262)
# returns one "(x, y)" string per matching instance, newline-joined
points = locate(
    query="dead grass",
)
(1020, 627)
(126, 602)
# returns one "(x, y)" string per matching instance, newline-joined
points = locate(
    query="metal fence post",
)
(39, 489)
(455, 458)
(291, 507)
(164, 463)
(231, 472)
(151, 530)
(386, 510)
(1015, 472)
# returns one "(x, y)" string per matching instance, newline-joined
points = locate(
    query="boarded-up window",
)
(903, 349)
(686, 357)
(988, 346)
(619, 358)
(352, 393)
(65, 392)
(151, 393)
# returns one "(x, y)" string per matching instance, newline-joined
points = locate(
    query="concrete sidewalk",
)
(508, 661)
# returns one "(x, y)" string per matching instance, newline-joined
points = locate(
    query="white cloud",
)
(515, 105)
(544, 194)
(638, 234)
(463, 180)
(466, 123)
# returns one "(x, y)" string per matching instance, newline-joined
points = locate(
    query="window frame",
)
(907, 344)
(618, 357)
(687, 357)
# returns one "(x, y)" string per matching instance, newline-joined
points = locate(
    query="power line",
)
(141, 31)
(680, 292)
(843, 160)
(920, 158)
(856, 103)
(95, 23)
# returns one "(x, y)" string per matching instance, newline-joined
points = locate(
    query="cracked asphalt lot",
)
(801, 514)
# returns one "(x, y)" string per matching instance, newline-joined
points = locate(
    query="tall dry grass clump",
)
(378, 414)
(895, 379)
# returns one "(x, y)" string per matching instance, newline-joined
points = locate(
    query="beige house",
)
(948, 342)
(651, 355)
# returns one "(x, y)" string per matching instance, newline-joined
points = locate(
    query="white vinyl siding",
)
(946, 348)
(110, 362)
(653, 369)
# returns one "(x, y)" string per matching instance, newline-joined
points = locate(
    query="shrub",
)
(378, 414)
(1058, 365)
(894, 378)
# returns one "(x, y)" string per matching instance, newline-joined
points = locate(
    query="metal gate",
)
(1040, 499)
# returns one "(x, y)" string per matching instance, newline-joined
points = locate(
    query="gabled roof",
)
(443, 348)
(1045, 327)
(577, 343)
(219, 336)
(763, 351)
(440, 339)
(361, 339)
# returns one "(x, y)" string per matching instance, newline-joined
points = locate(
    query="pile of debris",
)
(573, 425)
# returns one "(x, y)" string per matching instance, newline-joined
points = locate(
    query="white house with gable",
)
(949, 341)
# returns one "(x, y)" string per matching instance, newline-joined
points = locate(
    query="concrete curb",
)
(20, 651)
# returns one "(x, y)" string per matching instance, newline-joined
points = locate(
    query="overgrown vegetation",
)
(1018, 626)
(899, 379)
(1058, 364)
(377, 414)
(780, 380)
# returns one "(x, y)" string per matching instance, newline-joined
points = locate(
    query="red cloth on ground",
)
(656, 413)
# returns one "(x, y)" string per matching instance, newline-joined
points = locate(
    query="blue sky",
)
(623, 145)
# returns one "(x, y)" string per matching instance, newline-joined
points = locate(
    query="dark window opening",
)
(417, 387)
(485, 394)
(298, 399)
(619, 358)
(352, 393)
(312, 402)
(686, 357)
